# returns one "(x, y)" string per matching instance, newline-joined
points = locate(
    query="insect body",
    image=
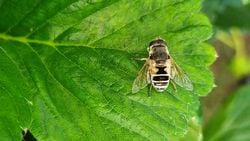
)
(159, 69)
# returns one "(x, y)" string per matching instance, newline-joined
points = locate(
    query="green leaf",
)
(194, 132)
(231, 123)
(67, 68)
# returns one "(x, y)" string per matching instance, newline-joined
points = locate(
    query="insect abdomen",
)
(160, 80)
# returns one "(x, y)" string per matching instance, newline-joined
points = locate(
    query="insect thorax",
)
(160, 68)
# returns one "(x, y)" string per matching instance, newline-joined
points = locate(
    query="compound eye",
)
(168, 57)
(151, 43)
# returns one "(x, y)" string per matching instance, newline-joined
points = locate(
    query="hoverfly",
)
(159, 70)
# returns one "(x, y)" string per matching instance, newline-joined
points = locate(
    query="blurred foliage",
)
(240, 61)
(232, 121)
(228, 13)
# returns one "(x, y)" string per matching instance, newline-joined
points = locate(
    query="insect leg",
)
(174, 95)
(141, 59)
(149, 84)
(149, 89)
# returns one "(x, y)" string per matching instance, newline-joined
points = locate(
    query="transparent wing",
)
(141, 80)
(179, 76)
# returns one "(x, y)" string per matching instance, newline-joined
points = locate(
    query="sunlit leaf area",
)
(67, 70)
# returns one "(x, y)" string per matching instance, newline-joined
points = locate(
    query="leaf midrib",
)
(50, 43)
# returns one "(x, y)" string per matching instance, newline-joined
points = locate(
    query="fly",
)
(159, 70)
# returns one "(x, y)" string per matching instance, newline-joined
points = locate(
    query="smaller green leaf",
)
(194, 132)
(231, 123)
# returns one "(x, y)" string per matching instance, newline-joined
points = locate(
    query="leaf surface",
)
(67, 68)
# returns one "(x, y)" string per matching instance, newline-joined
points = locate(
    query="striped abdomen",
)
(160, 80)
